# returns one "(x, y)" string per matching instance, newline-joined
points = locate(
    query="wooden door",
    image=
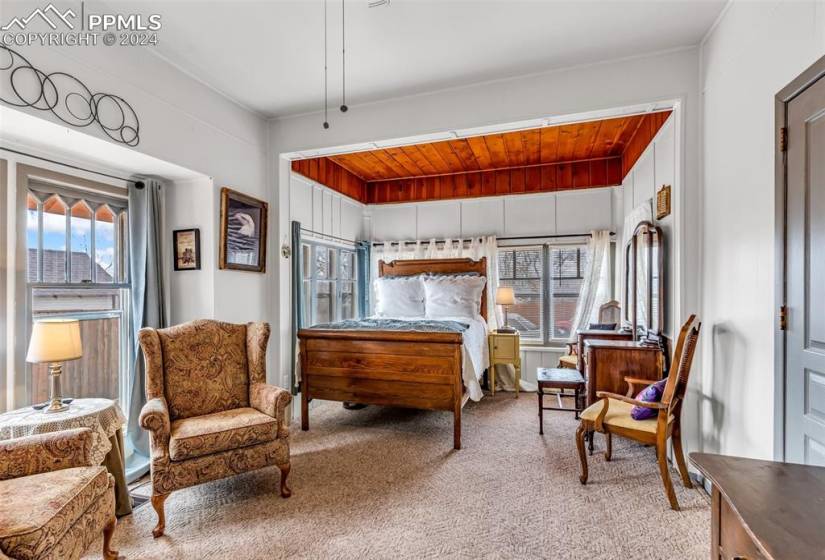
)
(805, 278)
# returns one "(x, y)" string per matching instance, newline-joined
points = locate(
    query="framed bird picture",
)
(243, 232)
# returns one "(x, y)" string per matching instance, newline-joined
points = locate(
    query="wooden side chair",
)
(611, 415)
(609, 312)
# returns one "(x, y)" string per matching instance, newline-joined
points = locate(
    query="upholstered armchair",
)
(54, 502)
(209, 410)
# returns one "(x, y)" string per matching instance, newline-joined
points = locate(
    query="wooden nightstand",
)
(504, 349)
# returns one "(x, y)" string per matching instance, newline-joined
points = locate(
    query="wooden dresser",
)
(608, 362)
(583, 335)
(762, 510)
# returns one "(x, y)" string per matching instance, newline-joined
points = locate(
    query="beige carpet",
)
(385, 483)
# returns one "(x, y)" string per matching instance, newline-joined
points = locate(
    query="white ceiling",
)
(268, 56)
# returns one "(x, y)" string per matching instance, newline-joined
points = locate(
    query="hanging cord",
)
(344, 107)
(326, 104)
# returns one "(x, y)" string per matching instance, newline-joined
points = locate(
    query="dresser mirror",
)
(643, 311)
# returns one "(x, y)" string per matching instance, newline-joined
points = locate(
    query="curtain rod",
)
(69, 165)
(553, 236)
(331, 237)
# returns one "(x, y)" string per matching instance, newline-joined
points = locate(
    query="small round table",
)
(102, 416)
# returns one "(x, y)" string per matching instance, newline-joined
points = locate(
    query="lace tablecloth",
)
(103, 416)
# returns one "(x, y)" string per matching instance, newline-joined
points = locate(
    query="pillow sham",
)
(399, 296)
(453, 296)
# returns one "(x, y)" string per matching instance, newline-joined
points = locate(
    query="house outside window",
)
(329, 283)
(546, 280)
(77, 255)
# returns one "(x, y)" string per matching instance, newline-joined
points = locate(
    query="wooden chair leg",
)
(661, 458)
(541, 411)
(157, 503)
(582, 454)
(679, 454)
(285, 491)
(304, 409)
(108, 533)
(457, 425)
(608, 452)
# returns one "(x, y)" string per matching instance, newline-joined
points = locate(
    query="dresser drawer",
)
(734, 541)
(504, 347)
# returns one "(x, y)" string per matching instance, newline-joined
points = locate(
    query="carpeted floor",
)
(386, 483)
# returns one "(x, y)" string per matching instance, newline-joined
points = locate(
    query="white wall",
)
(672, 75)
(503, 216)
(654, 168)
(323, 210)
(755, 50)
(185, 123)
(191, 292)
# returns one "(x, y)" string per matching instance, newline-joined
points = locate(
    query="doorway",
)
(801, 156)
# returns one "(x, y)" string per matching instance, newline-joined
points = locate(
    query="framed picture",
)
(187, 249)
(243, 232)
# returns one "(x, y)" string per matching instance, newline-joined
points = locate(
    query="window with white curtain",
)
(329, 283)
(546, 280)
(77, 254)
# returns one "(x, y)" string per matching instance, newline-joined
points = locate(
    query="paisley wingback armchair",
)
(54, 501)
(209, 411)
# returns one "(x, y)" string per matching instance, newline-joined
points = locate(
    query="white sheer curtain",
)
(473, 248)
(595, 287)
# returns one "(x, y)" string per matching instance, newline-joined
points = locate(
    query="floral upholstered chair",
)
(54, 502)
(209, 410)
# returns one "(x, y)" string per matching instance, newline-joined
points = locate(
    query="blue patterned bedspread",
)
(381, 324)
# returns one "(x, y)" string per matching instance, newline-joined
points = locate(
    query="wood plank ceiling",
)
(571, 156)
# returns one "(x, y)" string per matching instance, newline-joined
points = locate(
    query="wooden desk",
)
(764, 510)
(608, 362)
(583, 335)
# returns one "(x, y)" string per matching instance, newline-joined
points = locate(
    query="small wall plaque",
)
(663, 202)
(187, 249)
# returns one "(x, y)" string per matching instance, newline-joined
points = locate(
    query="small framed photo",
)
(243, 232)
(187, 249)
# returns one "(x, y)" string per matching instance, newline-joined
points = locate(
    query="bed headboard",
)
(437, 266)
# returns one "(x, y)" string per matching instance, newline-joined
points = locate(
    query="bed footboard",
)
(406, 369)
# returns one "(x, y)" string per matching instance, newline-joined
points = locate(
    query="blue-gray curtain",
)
(362, 252)
(297, 301)
(148, 306)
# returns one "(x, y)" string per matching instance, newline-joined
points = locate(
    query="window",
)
(76, 268)
(546, 280)
(521, 269)
(567, 266)
(329, 283)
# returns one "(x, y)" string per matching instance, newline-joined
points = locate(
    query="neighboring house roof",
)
(54, 267)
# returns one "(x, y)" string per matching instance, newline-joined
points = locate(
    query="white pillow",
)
(399, 296)
(453, 296)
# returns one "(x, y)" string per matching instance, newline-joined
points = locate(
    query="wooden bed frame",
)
(390, 368)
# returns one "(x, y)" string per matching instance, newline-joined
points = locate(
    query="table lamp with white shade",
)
(505, 298)
(55, 341)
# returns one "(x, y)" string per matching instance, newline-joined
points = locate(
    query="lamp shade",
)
(505, 296)
(54, 340)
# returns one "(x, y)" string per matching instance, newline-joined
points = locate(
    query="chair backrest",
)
(610, 312)
(205, 367)
(676, 385)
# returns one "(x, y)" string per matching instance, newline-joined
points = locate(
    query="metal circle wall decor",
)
(67, 98)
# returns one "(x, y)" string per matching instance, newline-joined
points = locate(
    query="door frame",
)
(782, 99)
